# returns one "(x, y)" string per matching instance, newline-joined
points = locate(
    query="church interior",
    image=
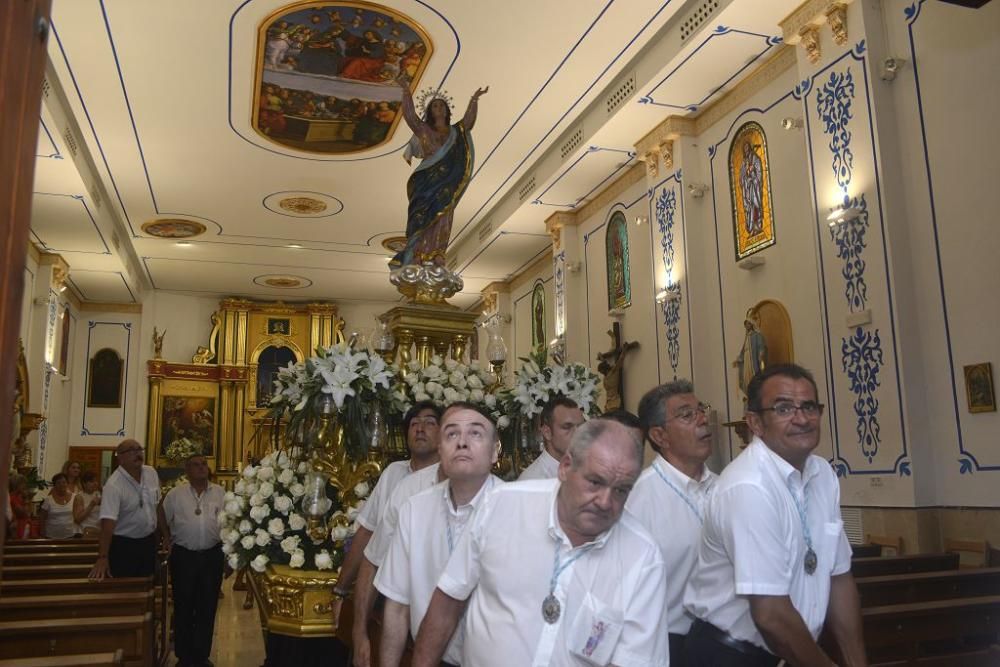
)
(659, 190)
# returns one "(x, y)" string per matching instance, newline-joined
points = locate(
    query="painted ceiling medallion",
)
(173, 228)
(326, 74)
(394, 244)
(302, 205)
(282, 281)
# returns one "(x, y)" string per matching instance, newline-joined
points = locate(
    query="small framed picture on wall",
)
(979, 387)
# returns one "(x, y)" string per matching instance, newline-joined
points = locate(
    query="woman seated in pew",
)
(56, 513)
(87, 506)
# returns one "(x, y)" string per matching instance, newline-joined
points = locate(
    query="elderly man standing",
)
(423, 432)
(560, 418)
(671, 495)
(552, 573)
(774, 563)
(127, 545)
(431, 523)
(189, 523)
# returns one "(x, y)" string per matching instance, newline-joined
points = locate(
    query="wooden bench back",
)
(873, 567)
(111, 659)
(81, 605)
(927, 586)
(74, 586)
(132, 634)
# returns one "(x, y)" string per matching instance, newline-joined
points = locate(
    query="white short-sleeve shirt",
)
(428, 529)
(409, 486)
(613, 596)
(59, 522)
(753, 542)
(374, 507)
(545, 466)
(190, 528)
(131, 504)
(670, 505)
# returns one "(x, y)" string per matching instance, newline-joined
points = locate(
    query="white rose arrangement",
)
(445, 381)
(537, 383)
(262, 520)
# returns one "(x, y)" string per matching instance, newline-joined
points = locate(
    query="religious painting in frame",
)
(191, 417)
(750, 189)
(979, 387)
(538, 337)
(105, 379)
(326, 74)
(616, 251)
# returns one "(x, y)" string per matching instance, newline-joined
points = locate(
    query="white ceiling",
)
(158, 99)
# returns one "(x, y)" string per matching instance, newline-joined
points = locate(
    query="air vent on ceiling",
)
(526, 188)
(696, 17)
(571, 144)
(852, 524)
(484, 229)
(70, 141)
(620, 94)
(46, 88)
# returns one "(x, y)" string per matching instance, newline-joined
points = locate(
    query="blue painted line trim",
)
(125, 367)
(79, 198)
(56, 155)
(590, 151)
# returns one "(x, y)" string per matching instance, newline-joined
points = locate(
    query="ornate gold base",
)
(435, 329)
(295, 602)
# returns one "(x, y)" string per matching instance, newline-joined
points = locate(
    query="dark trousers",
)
(677, 654)
(195, 577)
(708, 646)
(131, 557)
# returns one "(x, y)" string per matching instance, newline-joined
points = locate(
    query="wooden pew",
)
(927, 586)
(923, 629)
(46, 548)
(82, 605)
(50, 541)
(866, 550)
(80, 660)
(50, 558)
(76, 586)
(989, 657)
(873, 567)
(67, 636)
(20, 572)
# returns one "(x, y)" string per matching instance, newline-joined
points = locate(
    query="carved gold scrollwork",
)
(836, 16)
(810, 42)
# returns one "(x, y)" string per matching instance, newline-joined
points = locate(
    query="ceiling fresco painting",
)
(326, 74)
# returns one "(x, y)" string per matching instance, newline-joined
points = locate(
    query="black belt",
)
(722, 637)
(202, 551)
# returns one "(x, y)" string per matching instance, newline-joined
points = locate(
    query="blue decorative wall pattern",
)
(849, 236)
(833, 104)
(666, 208)
(862, 361)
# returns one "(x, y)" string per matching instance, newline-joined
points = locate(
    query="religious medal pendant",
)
(810, 561)
(197, 511)
(551, 609)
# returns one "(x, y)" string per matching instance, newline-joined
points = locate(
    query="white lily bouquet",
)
(537, 382)
(445, 381)
(263, 520)
(356, 381)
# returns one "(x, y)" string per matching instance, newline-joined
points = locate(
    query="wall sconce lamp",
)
(789, 123)
(697, 190)
(574, 267)
(665, 295)
(640, 220)
(839, 215)
(891, 67)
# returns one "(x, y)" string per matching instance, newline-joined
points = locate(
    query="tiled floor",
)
(238, 639)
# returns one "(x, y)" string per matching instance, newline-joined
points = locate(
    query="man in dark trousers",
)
(188, 521)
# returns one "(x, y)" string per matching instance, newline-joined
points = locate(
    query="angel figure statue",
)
(158, 343)
(439, 181)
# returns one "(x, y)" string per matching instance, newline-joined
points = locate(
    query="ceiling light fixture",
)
(183, 244)
(293, 245)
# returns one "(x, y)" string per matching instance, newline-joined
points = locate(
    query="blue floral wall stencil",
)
(666, 208)
(833, 103)
(862, 360)
(850, 239)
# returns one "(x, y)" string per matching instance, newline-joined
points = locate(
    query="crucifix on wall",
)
(610, 365)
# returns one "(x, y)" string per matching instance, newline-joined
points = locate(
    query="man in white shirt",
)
(431, 523)
(671, 495)
(127, 545)
(560, 418)
(774, 564)
(189, 524)
(551, 572)
(422, 436)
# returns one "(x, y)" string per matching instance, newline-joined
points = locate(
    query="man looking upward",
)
(671, 495)
(560, 418)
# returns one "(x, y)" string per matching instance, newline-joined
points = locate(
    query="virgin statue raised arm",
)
(439, 181)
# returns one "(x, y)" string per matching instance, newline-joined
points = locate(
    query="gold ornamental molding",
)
(673, 127)
(802, 26)
(159, 368)
(99, 307)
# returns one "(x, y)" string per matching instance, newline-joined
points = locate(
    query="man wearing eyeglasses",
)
(127, 545)
(671, 495)
(774, 564)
